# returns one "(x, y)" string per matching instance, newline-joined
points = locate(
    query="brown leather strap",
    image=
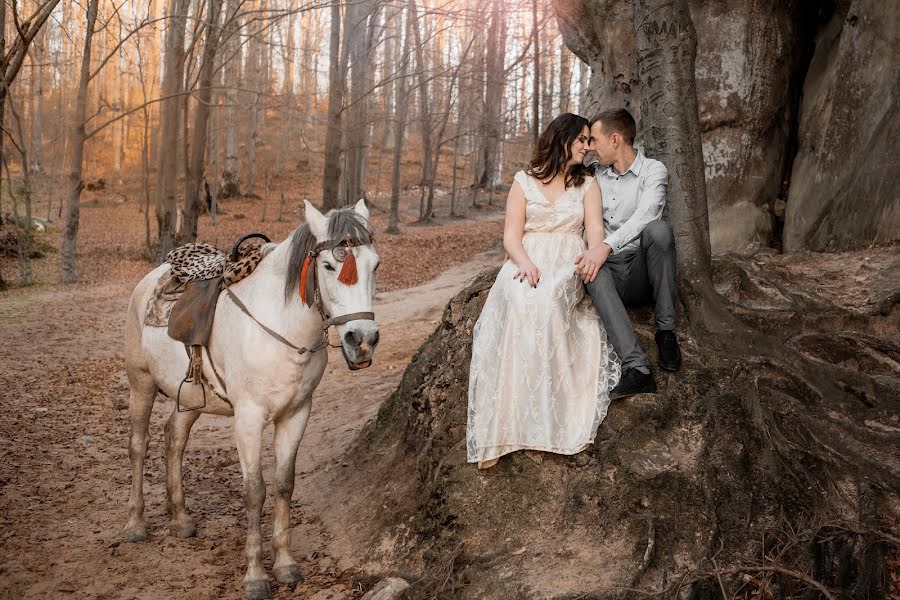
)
(359, 316)
(275, 334)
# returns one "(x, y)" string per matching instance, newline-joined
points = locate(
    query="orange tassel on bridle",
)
(348, 275)
(304, 273)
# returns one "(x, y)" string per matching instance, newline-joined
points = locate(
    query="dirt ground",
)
(64, 470)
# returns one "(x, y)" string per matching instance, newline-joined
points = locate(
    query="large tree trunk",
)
(192, 204)
(76, 152)
(671, 131)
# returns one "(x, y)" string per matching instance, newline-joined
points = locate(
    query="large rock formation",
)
(845, 180)
(752, 60)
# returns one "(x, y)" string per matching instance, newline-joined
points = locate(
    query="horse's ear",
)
(318, 224)
(361, 209)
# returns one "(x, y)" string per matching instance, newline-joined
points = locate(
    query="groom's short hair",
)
(617, 120)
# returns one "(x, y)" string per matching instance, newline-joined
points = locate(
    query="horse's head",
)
(344, 261)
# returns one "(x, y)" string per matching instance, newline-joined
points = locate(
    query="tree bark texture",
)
(666, 51)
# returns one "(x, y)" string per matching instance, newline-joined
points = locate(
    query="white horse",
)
(262, 378)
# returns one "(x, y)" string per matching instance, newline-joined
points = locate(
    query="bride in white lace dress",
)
(541, 366)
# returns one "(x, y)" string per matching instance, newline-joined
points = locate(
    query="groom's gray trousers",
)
(633, 278)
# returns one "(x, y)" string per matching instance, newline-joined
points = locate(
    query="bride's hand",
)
(528, 272)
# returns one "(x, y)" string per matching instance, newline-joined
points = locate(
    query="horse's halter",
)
(309, 288)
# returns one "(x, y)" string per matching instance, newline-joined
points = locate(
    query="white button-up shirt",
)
(631, 200)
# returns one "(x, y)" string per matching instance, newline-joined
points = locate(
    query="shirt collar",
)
(634, 168)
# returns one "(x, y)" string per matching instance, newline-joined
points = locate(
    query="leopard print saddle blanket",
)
(192, 262)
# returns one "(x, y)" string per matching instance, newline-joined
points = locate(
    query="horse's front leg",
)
(178, 428)
(288, 432)
(248, 429)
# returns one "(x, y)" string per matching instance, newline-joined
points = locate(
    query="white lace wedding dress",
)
(541, 366)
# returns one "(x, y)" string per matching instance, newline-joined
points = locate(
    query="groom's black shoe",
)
(669, 354)
(633, 382)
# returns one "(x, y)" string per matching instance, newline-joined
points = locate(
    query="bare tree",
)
(332, 170)
(76, 150)
(399, 126)
(194, 176)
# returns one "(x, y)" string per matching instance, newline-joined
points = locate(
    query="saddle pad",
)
(168, 290)
(192, 262)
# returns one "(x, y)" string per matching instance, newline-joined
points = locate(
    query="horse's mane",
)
(342, 223)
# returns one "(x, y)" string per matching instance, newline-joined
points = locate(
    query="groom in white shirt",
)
(635, 264)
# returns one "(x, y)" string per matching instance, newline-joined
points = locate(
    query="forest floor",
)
(64, 469)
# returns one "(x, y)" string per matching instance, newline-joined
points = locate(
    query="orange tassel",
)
(348, 275)
(304, 273)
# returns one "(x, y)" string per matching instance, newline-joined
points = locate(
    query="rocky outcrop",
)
(752, 60)
(845, 179)
(747, 55)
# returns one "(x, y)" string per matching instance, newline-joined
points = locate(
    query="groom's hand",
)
(588, 263)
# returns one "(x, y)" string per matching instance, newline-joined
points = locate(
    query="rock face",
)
(844, 184)
(752, 60)
(747, 55)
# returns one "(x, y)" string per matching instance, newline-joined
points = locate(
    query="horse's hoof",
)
(257, 590)
(289, 574)
(135, 534)
(183, 530)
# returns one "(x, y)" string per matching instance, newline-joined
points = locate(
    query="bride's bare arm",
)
(513, 231)
(588, 263)
(593, 216)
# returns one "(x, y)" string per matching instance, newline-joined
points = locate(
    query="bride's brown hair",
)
(554, 150)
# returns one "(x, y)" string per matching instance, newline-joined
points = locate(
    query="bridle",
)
(309, 292)
(309, 288)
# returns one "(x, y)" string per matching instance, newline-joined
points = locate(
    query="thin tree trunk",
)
(359, 37)
(425, 115)
(289, 53)
(399, 126)
(194, 176)
(76, 152)
(536, 90)
(170, 120)
(332, 170)
(231, 182)
(565, 79)
(36, 159)
(495, 96)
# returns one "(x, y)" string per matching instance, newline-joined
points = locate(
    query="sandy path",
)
(64, 475)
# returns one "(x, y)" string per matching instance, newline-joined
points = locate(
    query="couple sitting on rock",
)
(544, 366)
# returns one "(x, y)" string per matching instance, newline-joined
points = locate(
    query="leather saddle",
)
(191, 319)
(192, 315)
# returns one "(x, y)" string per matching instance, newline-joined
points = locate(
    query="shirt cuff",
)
(612, 244)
